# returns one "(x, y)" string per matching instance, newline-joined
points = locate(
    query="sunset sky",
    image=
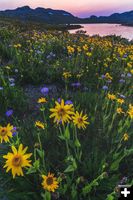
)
(81, 8)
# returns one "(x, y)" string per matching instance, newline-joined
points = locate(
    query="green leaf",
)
(118, 158)
(31, 170)
(74, 192)
(77, 143)
(111, 196)
(61, 137)
(46, 196)
(42, 109)
(70, 168)
(36, 164)
(67, 133)
(40, 153)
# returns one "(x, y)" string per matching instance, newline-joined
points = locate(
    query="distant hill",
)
(41, 14)
(119, 18)
(51, 16)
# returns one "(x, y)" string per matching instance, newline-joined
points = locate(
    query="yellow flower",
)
(67, 75)
(131, 71)
(79, 75)
(79, 49)
(129, 65)
(121, 101)
(7, 67)
(70, 49)
(17, 45)
(85, 47)
(62, 113)
(17, 160)
(119, 111)
(130, 111)
(79, 120)
(105, 65)
(89, 54)
(107, 76)
(50, 182)
(108, 60)
(111, 96)
(39, 124)
(42, 100)
(6, 133)
(126, 137)
(131, 57)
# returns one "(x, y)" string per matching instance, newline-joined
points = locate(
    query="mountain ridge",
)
(51, 16)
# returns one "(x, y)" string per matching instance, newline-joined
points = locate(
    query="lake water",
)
(107, 29)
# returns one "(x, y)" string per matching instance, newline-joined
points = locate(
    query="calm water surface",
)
(107, 29)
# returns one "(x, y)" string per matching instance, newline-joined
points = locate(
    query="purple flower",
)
(125, 56)
(44, 90)
(51, 55)
(9, 113)
(102, 76)
(68, 102)
(14, 131)
(122, 96)
(38, 52)
(121, 81)
(129, 75)
(76, 84)
(105, 87)
(59, 100)
(1, 88)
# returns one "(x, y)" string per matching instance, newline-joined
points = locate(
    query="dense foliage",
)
(76, 118)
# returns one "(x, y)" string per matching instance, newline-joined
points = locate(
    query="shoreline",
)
(123, 24)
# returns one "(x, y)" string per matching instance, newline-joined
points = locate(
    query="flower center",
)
(61, 112)
(17, 160)
(3, 131)
(80, 120)
(49, 181)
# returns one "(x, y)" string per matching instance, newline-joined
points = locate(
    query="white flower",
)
(16, 70)
(12, 80)
(12, 84)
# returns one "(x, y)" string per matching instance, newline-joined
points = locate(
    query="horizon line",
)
(64, 10)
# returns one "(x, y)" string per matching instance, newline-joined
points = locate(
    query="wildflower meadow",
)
(66, 114)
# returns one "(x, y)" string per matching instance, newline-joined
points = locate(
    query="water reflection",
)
(107, 29)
